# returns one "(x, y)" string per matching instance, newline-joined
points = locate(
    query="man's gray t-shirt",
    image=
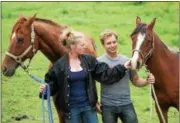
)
(116, 94)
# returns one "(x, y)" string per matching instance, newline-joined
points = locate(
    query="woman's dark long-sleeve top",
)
(58, 79)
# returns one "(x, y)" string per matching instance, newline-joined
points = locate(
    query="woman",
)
(72, 80)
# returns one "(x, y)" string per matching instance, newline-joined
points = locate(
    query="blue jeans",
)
(126, 113)
(86, 114)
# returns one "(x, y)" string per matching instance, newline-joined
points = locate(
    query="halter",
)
(18, 59)
(149, 54)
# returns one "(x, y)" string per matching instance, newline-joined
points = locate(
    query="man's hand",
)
(150, 79)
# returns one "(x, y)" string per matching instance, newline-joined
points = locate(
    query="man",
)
(115, 98)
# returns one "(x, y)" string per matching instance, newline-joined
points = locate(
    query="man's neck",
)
(112, 55)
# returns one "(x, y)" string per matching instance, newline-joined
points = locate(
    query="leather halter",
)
(148, 55)
(18, 58)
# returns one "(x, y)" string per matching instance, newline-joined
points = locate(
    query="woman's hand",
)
(42, 87)
(127, 64)
(98, 107)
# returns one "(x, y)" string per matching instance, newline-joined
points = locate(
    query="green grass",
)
(20, 93)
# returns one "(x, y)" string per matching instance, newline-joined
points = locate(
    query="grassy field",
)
(20, 93)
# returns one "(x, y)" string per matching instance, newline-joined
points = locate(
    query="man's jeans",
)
(87, 114)
(126, 113)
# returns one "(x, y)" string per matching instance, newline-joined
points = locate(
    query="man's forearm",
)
(139, 82)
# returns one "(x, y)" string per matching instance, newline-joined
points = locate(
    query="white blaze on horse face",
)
(140, 39)
(13, 36)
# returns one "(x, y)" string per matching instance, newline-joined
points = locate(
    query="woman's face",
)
(80, 47)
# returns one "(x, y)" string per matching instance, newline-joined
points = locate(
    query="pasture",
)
(20, 93)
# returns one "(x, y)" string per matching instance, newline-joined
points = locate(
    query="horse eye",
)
(133, 38)
(20, 40)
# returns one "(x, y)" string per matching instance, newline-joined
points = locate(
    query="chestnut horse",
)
(32, 34)
(163, 63)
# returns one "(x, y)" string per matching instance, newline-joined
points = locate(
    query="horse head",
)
(142, 43)
(21, 47)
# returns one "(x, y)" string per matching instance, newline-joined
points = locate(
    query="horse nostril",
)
(138, 65)
(4, 68)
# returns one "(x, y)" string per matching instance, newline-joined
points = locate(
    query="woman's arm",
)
(51, 80)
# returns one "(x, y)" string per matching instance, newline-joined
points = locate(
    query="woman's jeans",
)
(126, 113)
(86, 114)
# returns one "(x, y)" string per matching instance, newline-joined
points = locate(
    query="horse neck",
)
(160, 53)
(47, 37)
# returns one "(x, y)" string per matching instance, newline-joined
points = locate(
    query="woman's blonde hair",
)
(70, 36)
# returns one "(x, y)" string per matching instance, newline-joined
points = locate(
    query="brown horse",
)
(163, 63)
(32, 34)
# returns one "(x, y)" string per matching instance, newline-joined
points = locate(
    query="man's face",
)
(110, 44)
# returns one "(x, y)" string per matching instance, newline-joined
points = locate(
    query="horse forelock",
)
(16, 27)
(140, 28)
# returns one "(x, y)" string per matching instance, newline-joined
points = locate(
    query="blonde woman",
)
(72, 80)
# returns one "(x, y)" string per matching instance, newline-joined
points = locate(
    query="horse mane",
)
(140, 28)
(169, 49)
(172, 50)
(47, 21)
(23, 19)
(164, 45)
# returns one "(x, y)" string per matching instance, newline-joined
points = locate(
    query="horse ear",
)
(31, 19)
(151, 25)
(20, 16)
(138, 21)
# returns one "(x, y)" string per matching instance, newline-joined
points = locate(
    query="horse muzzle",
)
(136, 65)
(8, 72)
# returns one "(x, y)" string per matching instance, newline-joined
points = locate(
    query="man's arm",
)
(140, 82)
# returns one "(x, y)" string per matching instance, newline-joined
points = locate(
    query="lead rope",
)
(152, 92)
(157, 103)
(151, 105)
(47, 91)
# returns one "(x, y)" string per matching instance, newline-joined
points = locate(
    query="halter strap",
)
(149, 54)
(139, 52)
(18, 59)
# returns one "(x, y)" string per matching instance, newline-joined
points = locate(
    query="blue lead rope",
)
(46, 91)
(43, 112)
(49, 105)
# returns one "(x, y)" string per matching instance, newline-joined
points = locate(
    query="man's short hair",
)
(107, 33)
